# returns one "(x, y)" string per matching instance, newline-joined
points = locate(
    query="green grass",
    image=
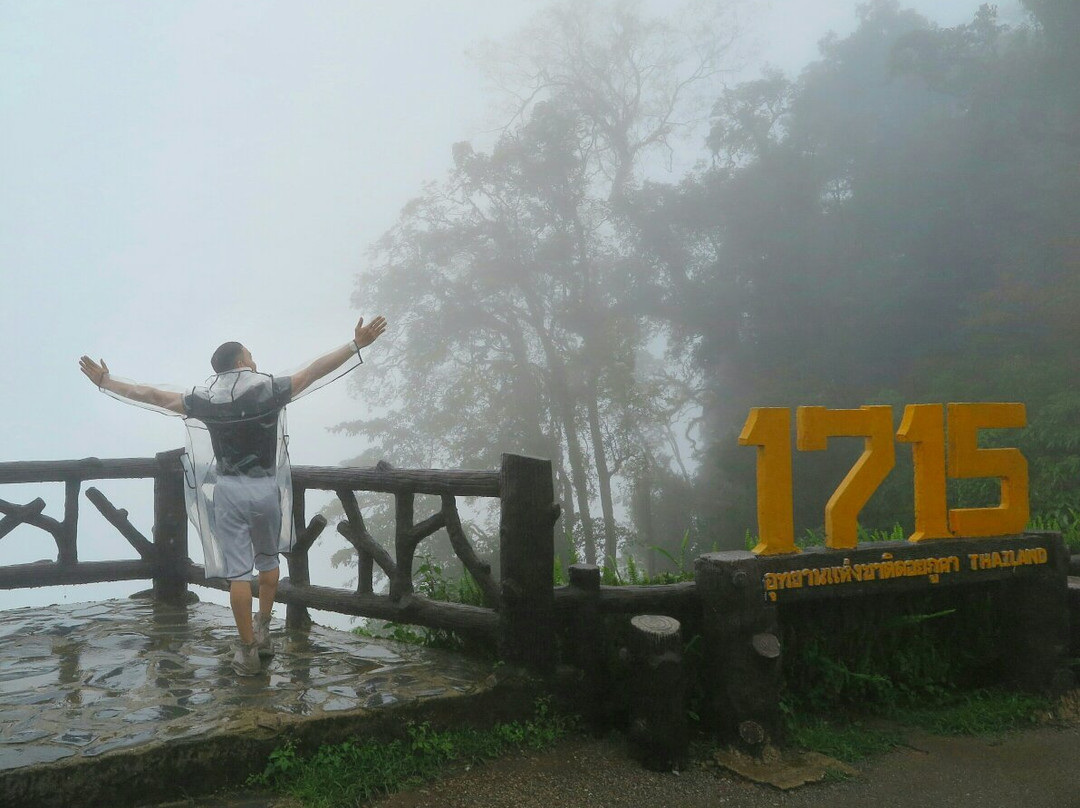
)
(846, 740)
(354, 772)
(979, 712)
(630, 574)
(433, 582)
(929, 661)
(1065, 521)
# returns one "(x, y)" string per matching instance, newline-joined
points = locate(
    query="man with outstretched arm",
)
(239, 488)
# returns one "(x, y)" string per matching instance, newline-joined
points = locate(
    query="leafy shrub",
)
(356, 771)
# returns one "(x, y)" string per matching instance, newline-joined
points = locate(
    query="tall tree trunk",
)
(563, 403)
(643, 518)
(565, 540)
(603, 475)
(580, 479)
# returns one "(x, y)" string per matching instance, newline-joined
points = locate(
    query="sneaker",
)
(261, 628)
(246, 659)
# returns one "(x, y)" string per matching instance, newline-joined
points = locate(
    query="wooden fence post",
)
(591, 648)
(296, 616)
(527, 562)
(67, 550)
(170, 529)
(742, 646)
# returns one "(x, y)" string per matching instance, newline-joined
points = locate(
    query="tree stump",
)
(590, 644)
(658, 729)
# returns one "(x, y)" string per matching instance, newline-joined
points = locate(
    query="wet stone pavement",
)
(81, 680)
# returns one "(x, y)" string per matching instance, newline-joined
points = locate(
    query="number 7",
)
(813, 428)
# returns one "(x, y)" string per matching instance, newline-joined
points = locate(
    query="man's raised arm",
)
(363, 336)
(144, 393)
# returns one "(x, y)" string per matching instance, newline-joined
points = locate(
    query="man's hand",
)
(367, 334)
(143, 393)
(93, 371)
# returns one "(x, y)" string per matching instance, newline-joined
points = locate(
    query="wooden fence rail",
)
(519, 607)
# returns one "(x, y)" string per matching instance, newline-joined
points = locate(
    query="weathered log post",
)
(296, 615)
(1035, 613)
(170, 529)
(66, 540)
(590, 651)
(658, 729)
(1074, 617)
(404, 544)
(527, 562)
(742, 648)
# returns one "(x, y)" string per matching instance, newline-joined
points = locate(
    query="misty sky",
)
(175, 175)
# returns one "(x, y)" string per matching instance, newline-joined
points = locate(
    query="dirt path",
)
(1035, 768)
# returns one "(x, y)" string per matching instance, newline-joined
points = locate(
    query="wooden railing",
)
(160, 559)
(518, 611)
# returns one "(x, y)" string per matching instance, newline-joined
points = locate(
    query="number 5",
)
(966, 460)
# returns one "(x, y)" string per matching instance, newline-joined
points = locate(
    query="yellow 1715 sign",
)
(923, 426)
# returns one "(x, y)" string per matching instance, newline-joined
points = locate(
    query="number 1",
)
(923, 426)
(769, 429)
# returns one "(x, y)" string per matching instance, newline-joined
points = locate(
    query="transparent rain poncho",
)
(236, 426)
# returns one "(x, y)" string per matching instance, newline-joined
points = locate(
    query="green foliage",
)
(399, 632)
(892, 654)
(358, 771)
(678, 563)
(979, 712)
(816, 538)
(610, 575)
(924, 666)
(888, 227)
(560, 576)
(433, 582)
(514, 295)
(893, 225)
(631, 573)
(849, 741)
(1065, 521)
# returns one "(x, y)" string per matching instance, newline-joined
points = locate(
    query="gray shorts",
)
(247, 524)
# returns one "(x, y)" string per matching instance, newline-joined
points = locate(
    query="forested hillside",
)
(899, 223)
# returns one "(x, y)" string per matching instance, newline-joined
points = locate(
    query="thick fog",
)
(179, 175)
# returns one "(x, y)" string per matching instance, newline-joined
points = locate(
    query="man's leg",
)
(233, 534)
(265, 536)
(240, 600)
(268, 580)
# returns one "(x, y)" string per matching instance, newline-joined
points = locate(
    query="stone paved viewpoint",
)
(110, 703)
